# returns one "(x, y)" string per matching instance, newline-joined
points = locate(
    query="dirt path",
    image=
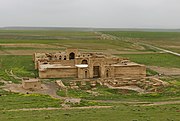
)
(134, 88)
(166, 71)
(67, 108)
(35, 48)
(25, 52)
(138, 103)
(28, 45)
(121, 52)
(158, 48)
(111, 37)
(97, 107)
(121, 102)
(162, 103)
(47, 89)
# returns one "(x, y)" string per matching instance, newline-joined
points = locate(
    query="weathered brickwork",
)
(73, 63)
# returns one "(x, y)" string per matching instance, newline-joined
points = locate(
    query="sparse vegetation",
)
(104, 93)
(120, 112)
(1, 83)
(150, 72)
(163, 60)
(19, 101)
(22, 66)
(166, 40)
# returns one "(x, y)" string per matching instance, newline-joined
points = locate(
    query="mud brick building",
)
(73, 63)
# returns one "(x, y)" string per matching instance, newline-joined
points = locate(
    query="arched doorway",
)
(71, 56)
(84, 62)
(85, 74)
(107, 73)
(96, 70)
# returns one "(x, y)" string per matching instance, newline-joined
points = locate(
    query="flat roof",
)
(82, 66)
(127, 64)
(45, 66)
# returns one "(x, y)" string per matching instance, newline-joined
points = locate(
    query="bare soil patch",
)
(47, 89)
(165, 70)
(134, 88)
(35, 48)
(26, 52)
(30, 45)
(140, 52)
(172, 46)
(67, 108)
(162, 103)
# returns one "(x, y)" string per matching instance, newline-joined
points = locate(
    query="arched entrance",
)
(107, 73)
(84, 62)
(96, 70)
(85, 74)
(71, 56)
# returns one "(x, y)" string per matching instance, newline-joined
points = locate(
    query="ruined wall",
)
(99, 65)
(96, 62)
(112, 60)
(130, 71)
(71, 50)
(31, 85)
(58, 73)
(79, 60)
(108, 72)
(64, 62)
(83, 73)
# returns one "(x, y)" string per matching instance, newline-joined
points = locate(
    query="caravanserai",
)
(84, 65)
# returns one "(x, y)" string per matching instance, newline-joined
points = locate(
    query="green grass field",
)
(144, 35)
(62, 39)
(166, 40)
(118, 113)
(22, 66)
(19, 101)
(171, 92)
(162, 60)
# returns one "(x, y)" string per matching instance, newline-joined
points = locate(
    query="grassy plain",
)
(171, 92)
(63, 39)
(19, 101)
(162, 60)
(166, 40)
(21, 66)
(19, 42)
(118, 113)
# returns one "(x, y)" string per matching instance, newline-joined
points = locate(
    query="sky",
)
(91, 13)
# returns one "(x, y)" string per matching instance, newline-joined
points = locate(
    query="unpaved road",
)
(165, 70)
(162, 103)
(67, 108)
(142, 103)
(47, 89)
(141, 43)
(98, 107)
(158, 48)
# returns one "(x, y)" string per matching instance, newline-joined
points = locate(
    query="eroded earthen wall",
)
(64, 62)
(31, 85)
(130, 71)
(58, 73)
